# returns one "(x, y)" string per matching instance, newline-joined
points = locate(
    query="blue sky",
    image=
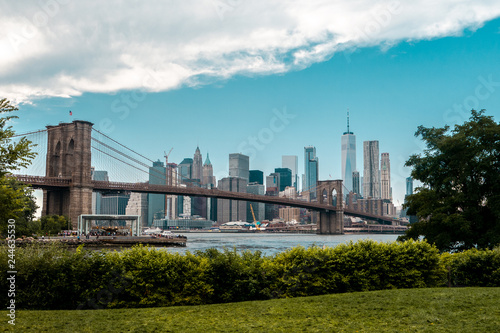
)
(265, 96)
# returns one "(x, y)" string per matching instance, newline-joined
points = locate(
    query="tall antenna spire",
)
(347, 120)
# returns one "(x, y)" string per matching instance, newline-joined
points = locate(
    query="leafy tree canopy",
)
(458, 204)
(16, 200)
(13, 155)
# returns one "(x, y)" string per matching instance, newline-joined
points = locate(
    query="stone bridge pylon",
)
(330, 192)
(69, 156)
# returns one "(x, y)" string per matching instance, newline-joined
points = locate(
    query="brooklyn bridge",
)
(67, 183)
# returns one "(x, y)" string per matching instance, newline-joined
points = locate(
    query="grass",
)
(408, 310)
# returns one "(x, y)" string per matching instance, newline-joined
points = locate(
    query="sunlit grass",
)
(409, 310)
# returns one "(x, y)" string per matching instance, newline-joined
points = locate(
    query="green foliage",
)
(365, 265)
(16, 200)
(18, 203)
(54, 277)
(12, 155)
(53, 224)
(458, 205)
(474, 268)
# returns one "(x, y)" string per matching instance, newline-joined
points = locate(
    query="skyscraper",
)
(239, 166)
(197, 165)
(311, 170)
(371, 173)
(156, 202)
(348, 141)
(208, 173)
(355, 182)
(285, 178)
(232, 210)
(185, 169)
(256, 176)
(291, 162)
(409, 186)
(385, 176)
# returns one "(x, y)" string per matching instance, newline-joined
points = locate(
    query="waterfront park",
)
(443, 275)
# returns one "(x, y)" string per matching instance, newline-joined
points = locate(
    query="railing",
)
(44, 181)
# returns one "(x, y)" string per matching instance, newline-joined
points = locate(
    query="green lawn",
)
(411, 310)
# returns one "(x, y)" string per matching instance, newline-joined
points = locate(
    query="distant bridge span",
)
(53, 183)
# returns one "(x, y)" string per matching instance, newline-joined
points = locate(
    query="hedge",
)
(55, 278)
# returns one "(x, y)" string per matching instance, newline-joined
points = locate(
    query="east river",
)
(269, 243)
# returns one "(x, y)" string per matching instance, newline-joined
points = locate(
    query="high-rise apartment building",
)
(371, 173)
(171, 200)
(385, 176)
(239, 166)
(348, 142)
(311, 170)
(197, 172)
(291, 162)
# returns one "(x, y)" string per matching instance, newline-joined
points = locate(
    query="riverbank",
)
(107, 241)
(403, 310)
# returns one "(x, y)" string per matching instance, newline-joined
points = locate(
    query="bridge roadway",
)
(65, 182)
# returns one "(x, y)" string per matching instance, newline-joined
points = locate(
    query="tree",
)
(12, 155)
(16, 199)
(458, 204)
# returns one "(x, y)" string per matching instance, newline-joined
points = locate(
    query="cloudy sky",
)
(265, 78)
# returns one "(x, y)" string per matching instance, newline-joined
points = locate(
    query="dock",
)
(108, 241)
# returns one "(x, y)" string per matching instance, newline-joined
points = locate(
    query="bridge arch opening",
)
(334, 197)
(325, 196)
(71, 146)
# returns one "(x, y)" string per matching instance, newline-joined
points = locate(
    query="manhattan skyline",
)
(236, 82)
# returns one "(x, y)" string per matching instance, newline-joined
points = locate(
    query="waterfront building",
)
(231, 210)
(256, 176)
(311, 171)
(371, 173)
(385, 176)
(156, 202)
(348, 145)
(239, 166)
(291, 162)
(289, 214)
(183, 223)
(285, 178)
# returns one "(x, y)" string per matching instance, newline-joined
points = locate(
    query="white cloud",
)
(67, 47)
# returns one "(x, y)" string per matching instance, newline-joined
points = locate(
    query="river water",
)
(269, 243)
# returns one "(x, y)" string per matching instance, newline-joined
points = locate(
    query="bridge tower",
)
(69, 155)
(330, 222)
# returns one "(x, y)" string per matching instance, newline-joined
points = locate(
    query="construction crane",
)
(257, 224)
(167, 155)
